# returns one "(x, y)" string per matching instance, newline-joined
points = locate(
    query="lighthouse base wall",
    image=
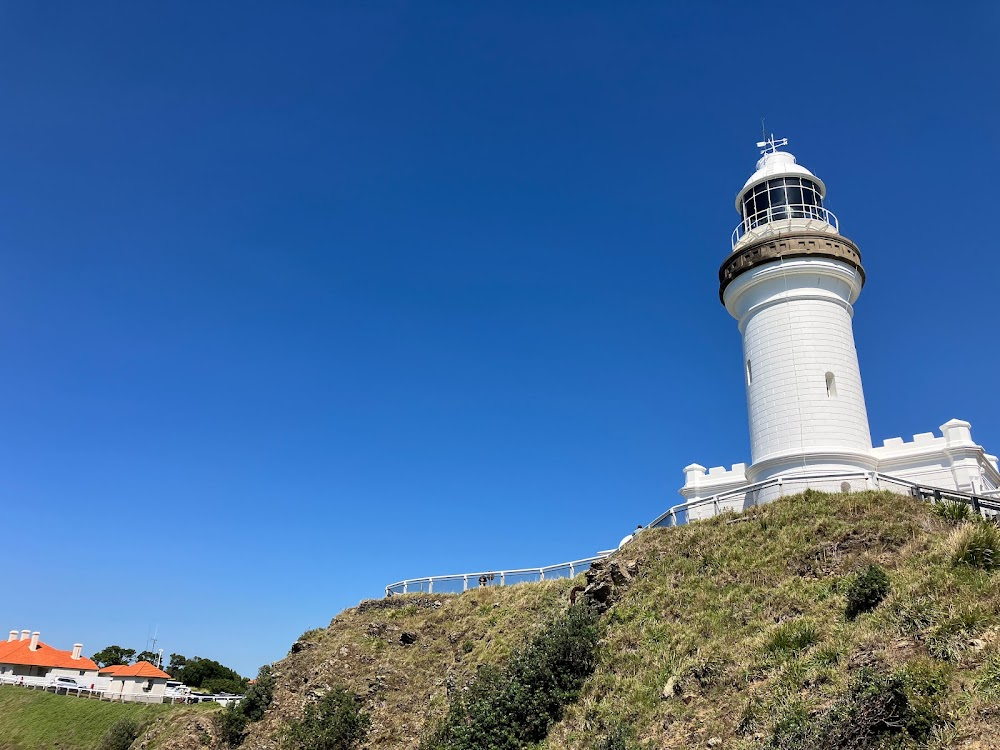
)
(951, 461)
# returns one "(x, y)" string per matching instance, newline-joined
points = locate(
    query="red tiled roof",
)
(139, 669)
(19, 652)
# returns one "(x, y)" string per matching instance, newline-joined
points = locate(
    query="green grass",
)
(35, 720)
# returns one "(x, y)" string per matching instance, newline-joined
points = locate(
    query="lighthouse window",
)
(749, 373)
(831, 385)
(782, 198)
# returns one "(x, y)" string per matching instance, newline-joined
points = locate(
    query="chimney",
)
(34, 641)
(25, 634)
(77, 650)
(12, 637)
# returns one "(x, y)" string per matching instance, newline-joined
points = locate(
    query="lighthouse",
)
(791, 280)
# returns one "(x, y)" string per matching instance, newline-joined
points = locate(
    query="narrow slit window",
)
(749, 373)
(831, 385)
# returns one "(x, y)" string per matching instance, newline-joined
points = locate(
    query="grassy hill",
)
(35, 720)
(817, 622)
(733, 634)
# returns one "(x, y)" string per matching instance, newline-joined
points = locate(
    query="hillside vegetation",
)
(818, 621)
(36, 720)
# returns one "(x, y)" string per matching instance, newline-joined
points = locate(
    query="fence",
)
(451, 584)
(734, 500)
(46, 684)
(771, 489)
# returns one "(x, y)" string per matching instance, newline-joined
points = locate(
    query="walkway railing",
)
(451, 584)
(791, 212)
(771, 489)
(734, 500)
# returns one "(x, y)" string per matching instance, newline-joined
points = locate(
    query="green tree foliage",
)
(177, 662)
(334, 722)
(147, 656)
(120, 735)
(113, 655)
(196, 672)
(867, 591)
(233, 721)
(511, 708)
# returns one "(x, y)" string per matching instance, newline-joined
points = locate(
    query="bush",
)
(120, 735)
(232, 722)
(867, 591)
(510, 708)
(953, 512)
(978, 546)
(334, 722)
(875, 708)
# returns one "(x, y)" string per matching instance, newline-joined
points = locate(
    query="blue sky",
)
(299, 300)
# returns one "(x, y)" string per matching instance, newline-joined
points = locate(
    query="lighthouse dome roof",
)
(777, 164)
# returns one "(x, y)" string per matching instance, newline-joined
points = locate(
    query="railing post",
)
(465, 583)
(405, 587)
(430, 585)
(541, 574)
(571, 573)
(502, 579)
(781, 490)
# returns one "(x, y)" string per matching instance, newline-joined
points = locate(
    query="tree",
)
(176, 668)
(197, 671)
(149, 656)
(113, 655)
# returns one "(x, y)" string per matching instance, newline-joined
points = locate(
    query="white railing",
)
(770, 489)
(46, 684)
(787, 213)
(455, 583)
(733, 500)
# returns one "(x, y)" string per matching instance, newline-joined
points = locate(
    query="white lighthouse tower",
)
(791, 281)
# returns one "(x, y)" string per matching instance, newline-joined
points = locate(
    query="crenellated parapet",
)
(700, 482)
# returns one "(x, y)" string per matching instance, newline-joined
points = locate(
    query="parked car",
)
(66, 683)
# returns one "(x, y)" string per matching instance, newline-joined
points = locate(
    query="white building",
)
(139, 680)
(27, 656)
(791, 281)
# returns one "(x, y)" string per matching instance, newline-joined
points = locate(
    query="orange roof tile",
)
(19, 652)
(139, 669)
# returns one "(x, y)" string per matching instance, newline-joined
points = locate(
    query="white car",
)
(66, 683)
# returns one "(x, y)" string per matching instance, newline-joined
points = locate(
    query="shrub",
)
(120, 735)
(232, 722)
(334, 722)
(953, 512)
(978, 546)
(867, 591)
(875, 708)
(509, 708)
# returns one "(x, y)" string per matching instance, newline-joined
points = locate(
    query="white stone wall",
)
(795, 317)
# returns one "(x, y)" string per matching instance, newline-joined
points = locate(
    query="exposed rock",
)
(670, 688)
(407, 639)
(714, 741)
(606, 579)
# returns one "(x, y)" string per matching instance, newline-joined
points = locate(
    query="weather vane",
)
(770, 145)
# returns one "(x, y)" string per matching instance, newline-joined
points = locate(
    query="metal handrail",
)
(789, 212)
(404, 586)
(980, 502)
